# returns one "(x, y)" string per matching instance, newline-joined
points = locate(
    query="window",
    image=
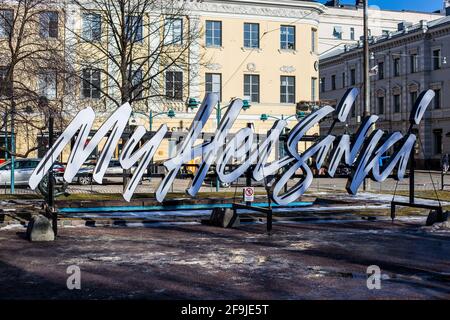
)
(322, 84)
(380, 70)
(437, 135)
(380, 105)
(333, 82)
(49, 24)
(136, 83)
(172, 147)
(213, 84)
(47, 84)
(213, 33)
(313, 40)
(287, 37)
(337, 32)
(91, 84)
(251, 87)
(251, 35)
(344, 80)
(4, 138)
(437, 98)
(396, 67)
(134, 28)
(397, 103)
(6, 22)
(5, 85)
(436, 59)
(414, 63)
(174, 31)
(352, 77)
(174, 85)
(287, 89)
(92, 27)
(413, 98)
(313, 89)
(352, 33)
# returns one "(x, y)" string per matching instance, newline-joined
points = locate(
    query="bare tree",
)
(33, 70)
(127, 50)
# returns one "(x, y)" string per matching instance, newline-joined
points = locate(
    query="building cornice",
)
(263, 8)
(389, 43)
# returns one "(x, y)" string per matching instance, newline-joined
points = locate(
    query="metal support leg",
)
(392, 212)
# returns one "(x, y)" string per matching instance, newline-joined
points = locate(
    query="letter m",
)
(83, 148)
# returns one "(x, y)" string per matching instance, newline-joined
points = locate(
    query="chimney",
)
(424, 24)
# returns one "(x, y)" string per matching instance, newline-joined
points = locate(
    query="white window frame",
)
(286, 96)
(216, 33)
(173, 31)
(251, 84)
(214, 84)
(90, 25)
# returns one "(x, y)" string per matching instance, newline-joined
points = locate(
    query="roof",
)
(377, 40)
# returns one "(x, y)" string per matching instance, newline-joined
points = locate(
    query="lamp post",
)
(193, 104)
(171, 114)
(13, 145)
(265, 117)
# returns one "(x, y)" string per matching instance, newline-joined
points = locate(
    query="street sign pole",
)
(248, 173)
(50, 185)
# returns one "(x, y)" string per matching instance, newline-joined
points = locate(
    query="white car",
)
(23, 168)
(112, 174)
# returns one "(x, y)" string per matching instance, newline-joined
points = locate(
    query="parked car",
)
(113, 173)
(23, 168)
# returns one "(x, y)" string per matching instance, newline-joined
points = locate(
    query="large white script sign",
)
(363, 154)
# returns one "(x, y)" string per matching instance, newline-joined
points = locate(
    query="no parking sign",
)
(249, 194)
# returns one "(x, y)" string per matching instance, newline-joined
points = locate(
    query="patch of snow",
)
(13, 227)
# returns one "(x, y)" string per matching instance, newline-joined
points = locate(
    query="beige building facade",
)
(263, 51)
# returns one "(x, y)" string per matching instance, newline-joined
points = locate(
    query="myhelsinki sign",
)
(362, 154)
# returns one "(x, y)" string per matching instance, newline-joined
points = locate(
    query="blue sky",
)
(420, 5)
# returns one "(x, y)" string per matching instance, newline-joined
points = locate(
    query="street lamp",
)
(298, 115)
(171, 114)
(192, 103)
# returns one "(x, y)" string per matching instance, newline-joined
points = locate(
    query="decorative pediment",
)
(413, 87)
(288, 69)
(381, 92)
(251, 67)
(436, 85)
(396, 89)
(214, 66)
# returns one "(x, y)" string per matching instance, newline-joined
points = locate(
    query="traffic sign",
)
(249, 194)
